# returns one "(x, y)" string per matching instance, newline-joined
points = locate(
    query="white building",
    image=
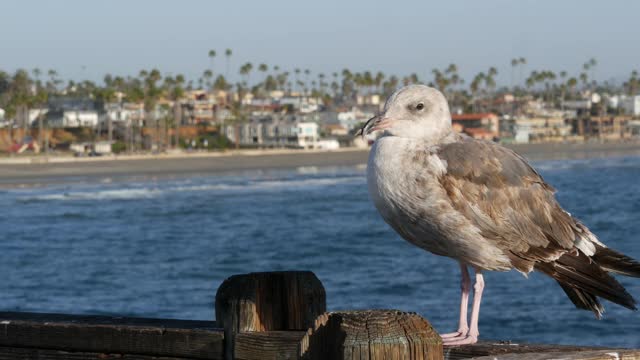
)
(3, 121)
(275, 132)
(124, 114)
(75, 118)
(631, 105)
(328, 144)
(308, 135)
(101, 147)
(34, 114)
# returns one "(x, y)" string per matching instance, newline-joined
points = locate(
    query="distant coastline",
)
(36, 171)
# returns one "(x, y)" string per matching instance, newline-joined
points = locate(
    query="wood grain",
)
(577, 355)
(269, 345)
(9, 353)
(507, 350)
(372, 335)
(103, 334)
(270, 301)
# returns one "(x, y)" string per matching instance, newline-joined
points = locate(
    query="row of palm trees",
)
(23, 89)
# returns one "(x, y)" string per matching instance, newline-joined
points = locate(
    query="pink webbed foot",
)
(464, 340)
(461, 333)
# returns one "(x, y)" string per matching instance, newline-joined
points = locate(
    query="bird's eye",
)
(420, 106)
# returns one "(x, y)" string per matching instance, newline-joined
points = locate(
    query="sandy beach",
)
(33, 171)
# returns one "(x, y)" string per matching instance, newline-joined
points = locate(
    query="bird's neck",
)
(445, 136)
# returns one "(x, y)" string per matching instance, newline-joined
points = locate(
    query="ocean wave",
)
(160, 189)
(270, 184)
(613, 162)
(116, 194)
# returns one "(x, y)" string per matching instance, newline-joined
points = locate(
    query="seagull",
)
(482, 205)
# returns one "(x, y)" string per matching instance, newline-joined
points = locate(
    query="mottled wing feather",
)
(508, 201)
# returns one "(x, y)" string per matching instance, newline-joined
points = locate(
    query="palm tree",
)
(38, 98)
(108, 95)
(592, 65)
(207, 75)
(334, 88)
(378, 80)
(571, 83)
(633, 83)
(152, 93)
(490, 79)
(245, 70)
(297, 72)
(36, 73)
(174, 88)
(522, 61)
(306, 77)
(440, 80)
(212, 55)
(221, 83)
(514, 64)
(584, 78)
(263, 68)
(474, 87)
(563, 88)
(321, 82)
(22, 97)
(227, 55)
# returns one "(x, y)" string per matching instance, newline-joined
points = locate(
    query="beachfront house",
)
(524, 129)
(477, 125)
(630, 105)
(200, 107)
(308, 135)
(67, 112)
(74, 118)
(124, 113)
(602, 127)
(275, 131)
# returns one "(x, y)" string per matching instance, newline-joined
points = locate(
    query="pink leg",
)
(465, 286)
(472, 336)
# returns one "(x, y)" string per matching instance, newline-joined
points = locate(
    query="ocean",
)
(159, 247)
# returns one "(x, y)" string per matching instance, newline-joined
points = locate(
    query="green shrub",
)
(118, 147)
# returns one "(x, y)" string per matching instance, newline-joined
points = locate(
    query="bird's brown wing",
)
(511, 205)
(508, 201)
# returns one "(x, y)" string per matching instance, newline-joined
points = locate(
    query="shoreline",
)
(38, 170)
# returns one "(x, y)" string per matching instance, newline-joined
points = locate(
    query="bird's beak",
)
(377, 122)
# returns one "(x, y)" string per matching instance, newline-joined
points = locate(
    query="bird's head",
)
(415, 111)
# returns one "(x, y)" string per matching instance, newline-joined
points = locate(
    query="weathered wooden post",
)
(271, 301)
(372, 335)
(281, 315)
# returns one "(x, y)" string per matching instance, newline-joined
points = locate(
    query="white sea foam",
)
(116, 194)
(270, 184)
(164, 189)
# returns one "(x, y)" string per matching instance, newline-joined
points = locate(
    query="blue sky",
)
(86, 39)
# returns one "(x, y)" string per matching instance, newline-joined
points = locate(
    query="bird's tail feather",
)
(583, 279)
(615, 262)
(583, 300)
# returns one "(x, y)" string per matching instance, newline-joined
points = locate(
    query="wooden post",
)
(372, 335)
(271, 301)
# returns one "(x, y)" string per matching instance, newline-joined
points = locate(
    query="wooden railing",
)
(275, 315)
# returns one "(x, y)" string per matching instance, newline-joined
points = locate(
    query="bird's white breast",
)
(394, 165)
(403, 180)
